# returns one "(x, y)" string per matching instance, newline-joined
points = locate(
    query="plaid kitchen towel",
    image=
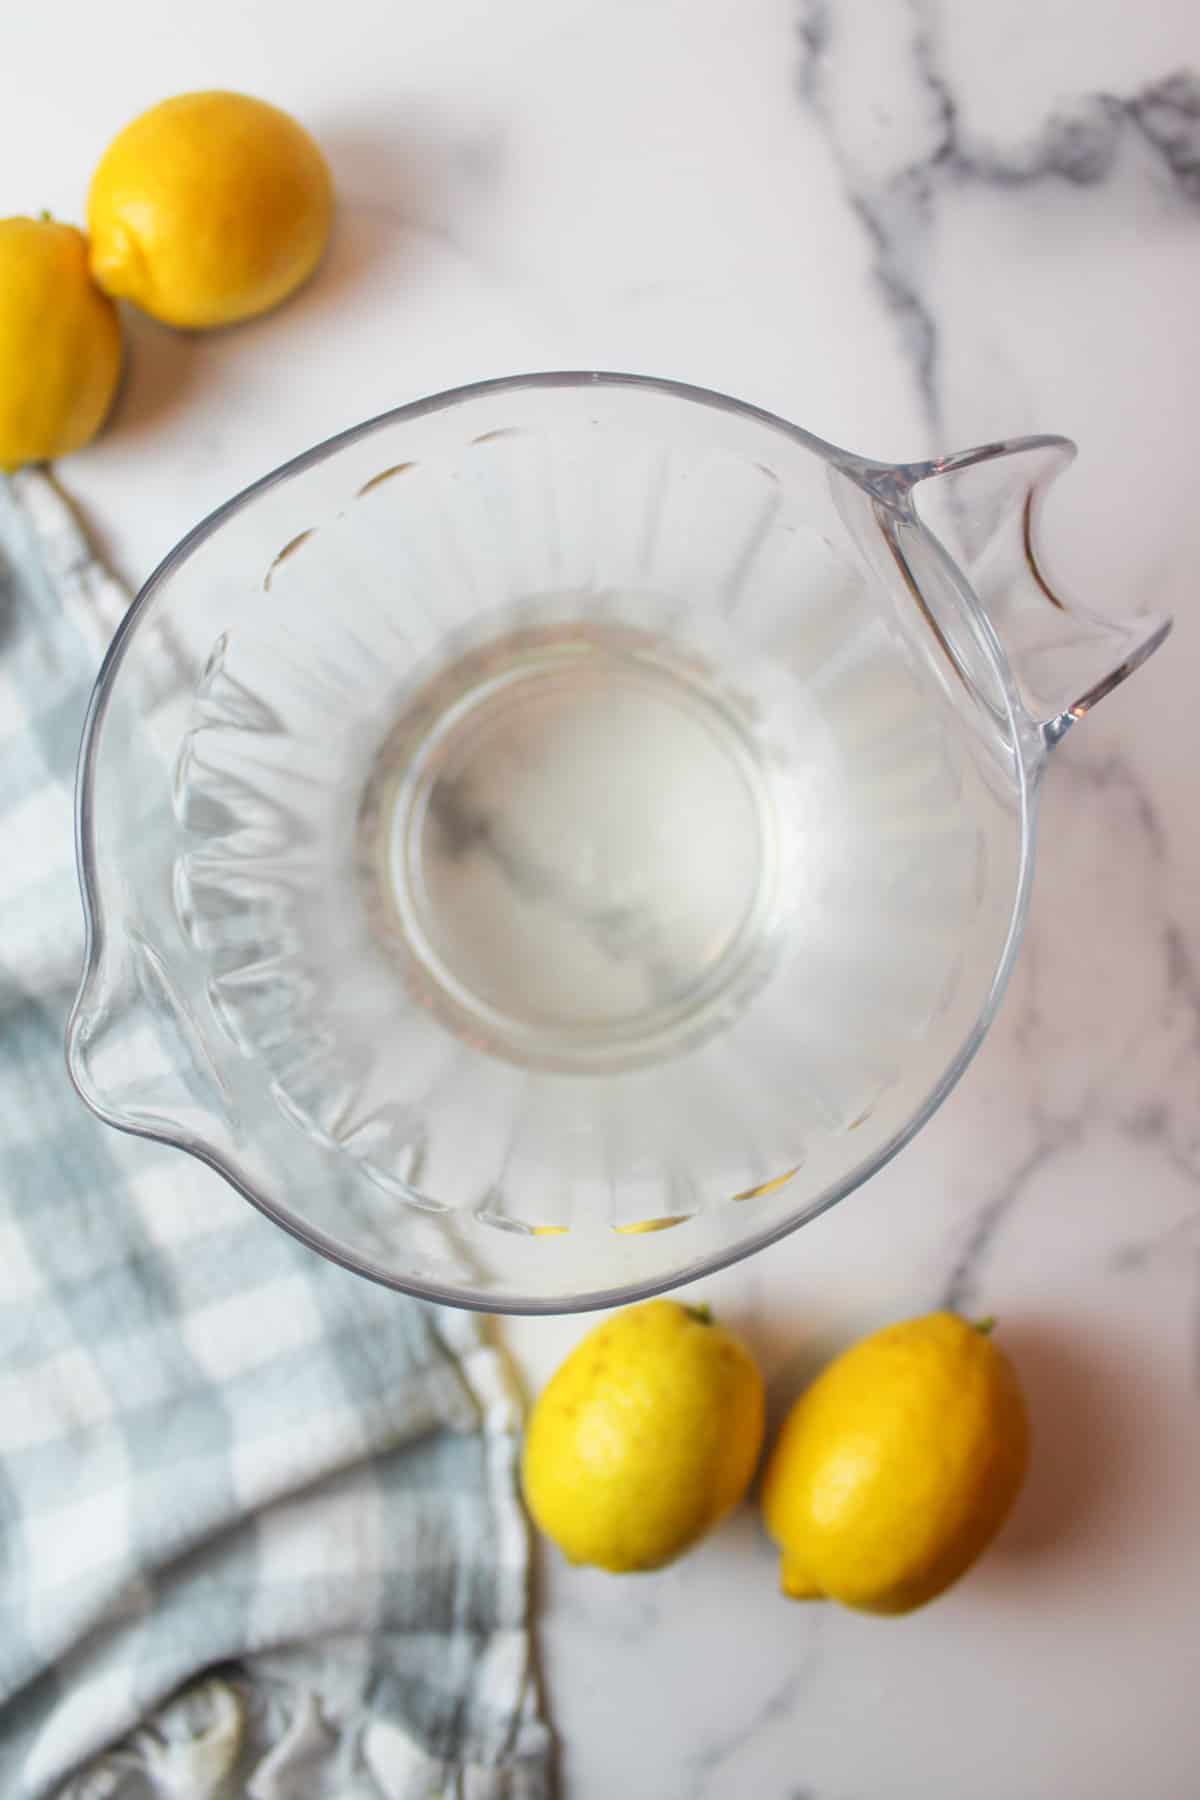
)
(259, 1533)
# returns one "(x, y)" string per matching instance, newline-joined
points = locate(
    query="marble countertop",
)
(909, 227)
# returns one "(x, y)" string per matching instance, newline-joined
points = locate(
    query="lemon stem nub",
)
(702, 1313)
(794, 1579)
(986, 1326)
(46, 217)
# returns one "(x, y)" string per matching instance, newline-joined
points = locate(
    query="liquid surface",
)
(570, 835)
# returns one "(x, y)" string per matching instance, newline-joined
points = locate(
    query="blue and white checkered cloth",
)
(259, 1533)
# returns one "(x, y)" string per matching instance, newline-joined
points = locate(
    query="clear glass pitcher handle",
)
(984, 504)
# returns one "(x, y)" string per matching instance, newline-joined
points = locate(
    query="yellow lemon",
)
(60, 343)
(209, 208)
(645, 1437)
(894, 1470)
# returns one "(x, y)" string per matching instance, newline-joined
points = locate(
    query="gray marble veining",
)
(871, 73)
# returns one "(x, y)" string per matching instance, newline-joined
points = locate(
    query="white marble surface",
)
(908, 226)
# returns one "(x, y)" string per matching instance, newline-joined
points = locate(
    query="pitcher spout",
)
(985, 505)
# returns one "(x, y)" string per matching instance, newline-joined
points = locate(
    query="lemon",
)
(60, 343)
(894, 1470)
(645, 1437)
(209, 208)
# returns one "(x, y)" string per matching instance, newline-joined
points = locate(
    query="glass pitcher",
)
(558, 837)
